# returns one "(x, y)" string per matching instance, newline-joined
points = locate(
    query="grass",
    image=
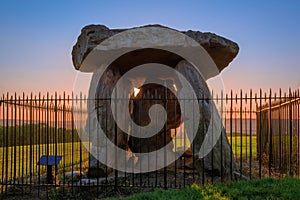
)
(244, 145)
(287, 188)
(23, 159)
(237, 145)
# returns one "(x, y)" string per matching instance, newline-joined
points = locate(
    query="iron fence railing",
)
(278, 132)
(262, 130)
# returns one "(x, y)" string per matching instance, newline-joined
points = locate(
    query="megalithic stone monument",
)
(222, 51)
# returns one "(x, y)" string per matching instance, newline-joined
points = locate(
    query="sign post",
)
(49, 161)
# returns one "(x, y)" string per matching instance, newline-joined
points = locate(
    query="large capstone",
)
(221, 50)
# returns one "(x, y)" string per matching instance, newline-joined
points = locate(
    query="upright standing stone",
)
(219, 162)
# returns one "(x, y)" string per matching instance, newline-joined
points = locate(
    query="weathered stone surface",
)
(147, 97)
(105, 118)
(97, 169)
(222, 50)
(221, 155)
(74, 176)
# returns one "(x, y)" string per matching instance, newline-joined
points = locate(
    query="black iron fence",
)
(278, 132)
(262, 130)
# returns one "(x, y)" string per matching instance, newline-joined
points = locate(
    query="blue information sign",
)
(49, 160)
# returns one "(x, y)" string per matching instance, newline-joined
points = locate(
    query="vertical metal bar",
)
(227, 131)
(85, 101)
(202, 139)
(184, 158)
(64, 141)
(284, 135)
(23, 139)
(194, 132)
(246, 131)
(280, 133)
(50, 134)
(275, 133)
(241, 134)
(15, 138)
(36, 137)
(11, 138)
(88, 125)
(175, 147)
(157, 101)
(250, 159)
(140, 131)
(116, 141)
(25, 147)
(280, 128)
(47, 127)
(260, 131)
(97, 139)
(6, 142)
(55, 133)
(44, 118)
(148, 173)
(107, 104)
(165, 137)
(230, 118)
(212, 151)
(222, 135)
(40, 143)
(80, 144)
(98, 151)
(4, 158)
(127, 148)
(298, 129)
(236, 131)
(73, 133)
(2, 143)
(31, 140)
(156, 137)
(291, 131)
(19, 137)
(270, 134)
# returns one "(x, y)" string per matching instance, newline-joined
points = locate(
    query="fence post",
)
(291, 131)
(270, 133)
(250, 166)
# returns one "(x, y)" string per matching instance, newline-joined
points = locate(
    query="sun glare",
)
(136, 91)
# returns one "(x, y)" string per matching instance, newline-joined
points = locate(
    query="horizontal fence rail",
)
(262, 131)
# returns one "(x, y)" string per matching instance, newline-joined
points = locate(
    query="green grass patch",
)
(244, 145)
(237, 145)
(22, 160)
(287, 188)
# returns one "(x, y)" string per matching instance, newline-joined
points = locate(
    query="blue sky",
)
(36, 38)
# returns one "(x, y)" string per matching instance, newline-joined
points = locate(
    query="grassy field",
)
(237, 145)
(22, 160)
(27, 156)
(244, 145)
(287, 188)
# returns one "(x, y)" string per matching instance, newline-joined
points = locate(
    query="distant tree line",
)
(40, 133)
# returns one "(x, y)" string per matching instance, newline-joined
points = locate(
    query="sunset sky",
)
(37, 37)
